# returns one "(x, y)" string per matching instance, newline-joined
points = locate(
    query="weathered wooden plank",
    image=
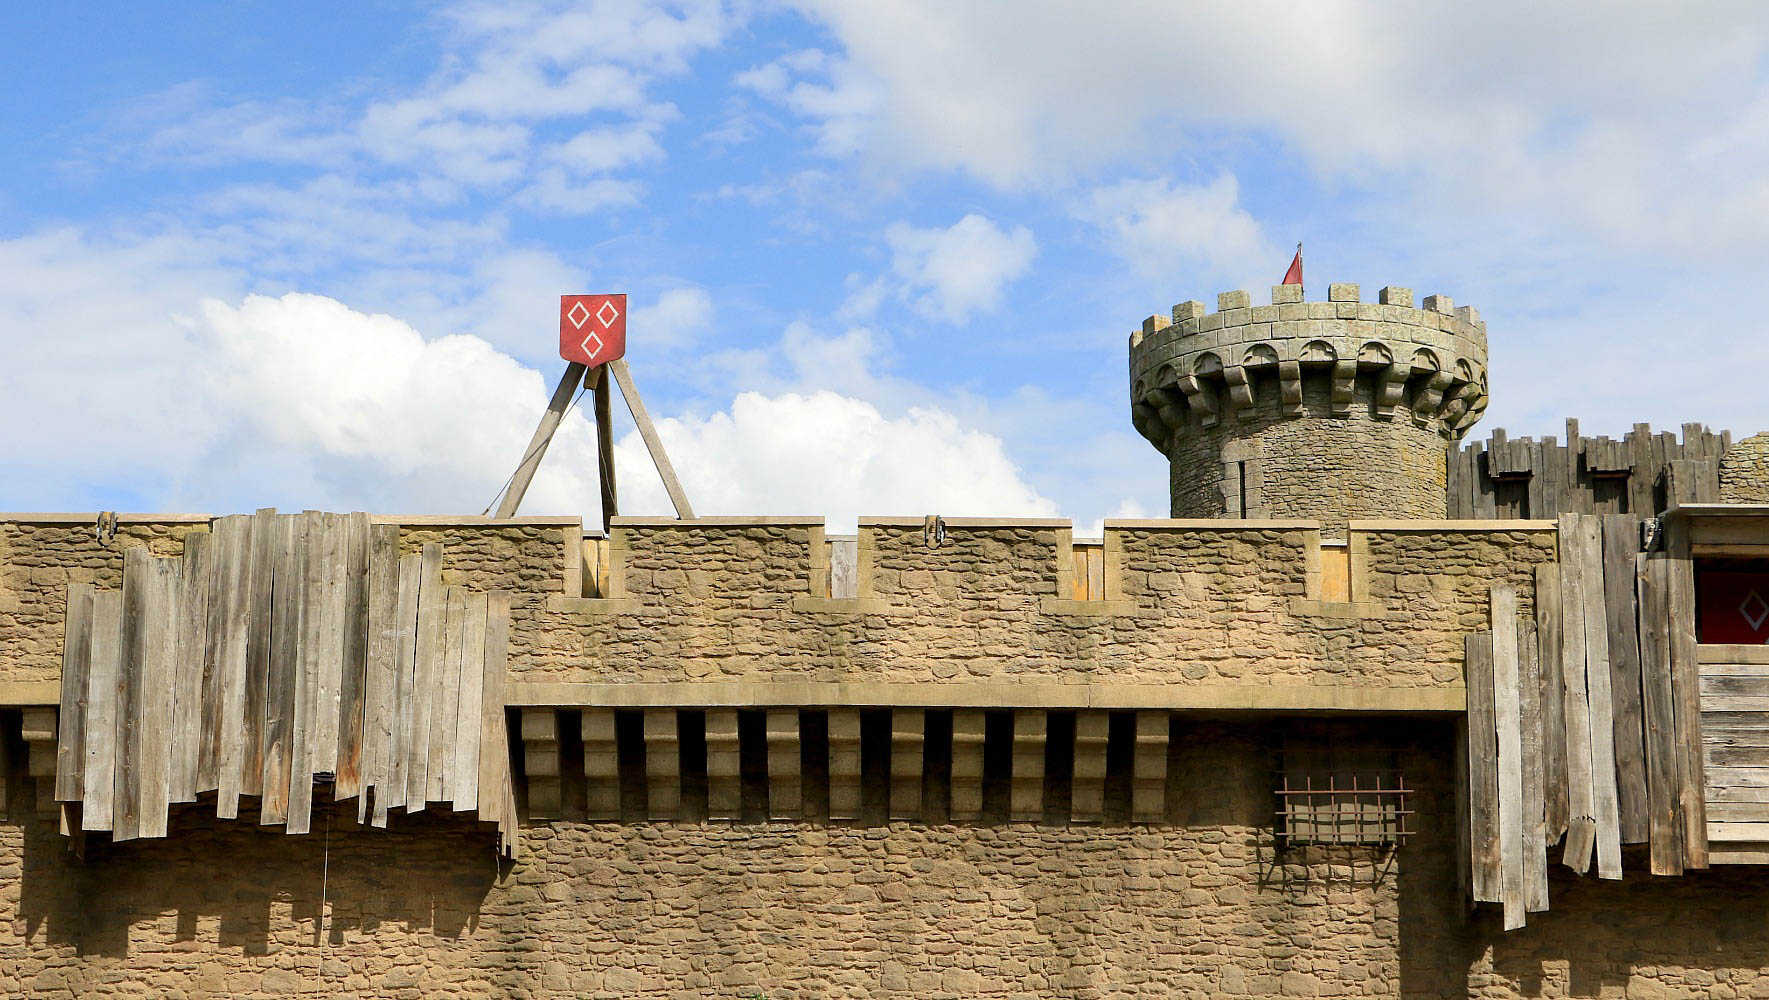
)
(1621, 543)
(1738, 812)
(1552, 701)
(1666, 851)
(76, 667)
(844, 563)
(464, 771)
(1529, 689)
(1733, 789)
(224, 657)
(153, 733)
(288, 582)
(1601, 702)
(446, 701)
(1739, 681)
(1732, 832)
(493, 762)
(267, 531)
(1728, 702)
(353, 680)
(318, 648)
(1581, 830)
(104, 668)
(1508, 716)
(189, 652)
(400, 719)
(426, 671)
(1483, 770)
(139, 578)
(1686, 692)
(380, 602)
(1722, 755)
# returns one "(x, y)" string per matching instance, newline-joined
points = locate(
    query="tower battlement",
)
(1333, 410)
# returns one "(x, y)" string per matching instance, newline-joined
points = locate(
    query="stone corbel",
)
(1344, 387)
(908, 733)
(1240, 390)
(1290, 388)
(967, 764)
(1148, 777)
(1026, 798)
(1431, 397)
(1391, 390)
(601, 763)
(1087, 796)
(785, 774)
(663, 764)
(1201, 398)
(844, 763)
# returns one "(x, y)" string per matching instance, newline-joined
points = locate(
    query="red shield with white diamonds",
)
(1732, 606)
(592, 328)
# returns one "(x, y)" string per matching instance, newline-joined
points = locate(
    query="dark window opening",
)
(1059, 766)
(814, 764)
(629, 736)
(691, 732)
(752, 764)
(1732, 601)
(997, 765)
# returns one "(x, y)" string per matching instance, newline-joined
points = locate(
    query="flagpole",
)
(1300, 272)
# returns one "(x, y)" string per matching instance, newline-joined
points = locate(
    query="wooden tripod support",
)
(597, 380)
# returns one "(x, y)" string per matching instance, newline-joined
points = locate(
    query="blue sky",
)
(884, 257)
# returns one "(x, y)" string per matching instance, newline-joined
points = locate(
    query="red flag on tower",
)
(1294, 275)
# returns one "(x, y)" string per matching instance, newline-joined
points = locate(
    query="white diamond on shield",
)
(578, 315)
(607, 314)
(1754, 609)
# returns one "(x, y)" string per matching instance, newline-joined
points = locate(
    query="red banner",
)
(592, 328)
(1732, 606)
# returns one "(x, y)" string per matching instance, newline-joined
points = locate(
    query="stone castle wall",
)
(1199, 906)
(1744, 471)
(1202, 602)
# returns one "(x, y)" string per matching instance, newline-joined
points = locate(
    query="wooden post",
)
(605, 445)
(648, 433)
(1483, 770)
(543, 436)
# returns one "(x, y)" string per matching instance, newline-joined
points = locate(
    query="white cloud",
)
(1588, 115)
(841, 107)
(832, 455)
(953, 272)
(1165, 230)
(678, 317)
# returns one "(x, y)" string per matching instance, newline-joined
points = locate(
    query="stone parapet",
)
(1210, 603)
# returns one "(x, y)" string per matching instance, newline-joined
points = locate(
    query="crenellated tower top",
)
(1331, 410)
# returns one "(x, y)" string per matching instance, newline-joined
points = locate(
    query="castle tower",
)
(1331, 411)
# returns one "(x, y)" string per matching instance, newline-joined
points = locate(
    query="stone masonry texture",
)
(1744, 471)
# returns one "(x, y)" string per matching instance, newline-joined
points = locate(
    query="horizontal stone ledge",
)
(895, 521)
(20, 694)
(1440, 527)
(1008, 693)
(737, 521)
(1210, 524)
(411, 520)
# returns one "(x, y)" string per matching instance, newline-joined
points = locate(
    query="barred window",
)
(1329, 795)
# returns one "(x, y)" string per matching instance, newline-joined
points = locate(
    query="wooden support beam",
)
(1087, 795)
(543, 436)
(724, 765)
(1686, 694)
(968, 736)
(786, 800)
(190, 641)
(1148, 779)
(602, 398)
(1026, 800)
(653, 444)
(663, 764)
(908, 733)
(1621, 543)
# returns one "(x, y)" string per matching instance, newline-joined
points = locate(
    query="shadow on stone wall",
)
(234, 885)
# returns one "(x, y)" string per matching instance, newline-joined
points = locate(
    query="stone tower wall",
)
(1744, 471)
(1334, 411)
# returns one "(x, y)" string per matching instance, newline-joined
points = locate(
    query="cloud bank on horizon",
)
(882, 257)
